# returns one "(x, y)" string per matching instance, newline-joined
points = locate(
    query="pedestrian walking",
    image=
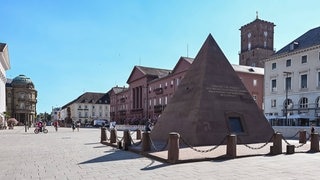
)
(112, 125)
(78, 125)
(56, 124)
(73, 126)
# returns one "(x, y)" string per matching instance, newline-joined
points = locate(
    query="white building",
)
(297, 67)
(55, 114)
(86, 108)
(4, 65)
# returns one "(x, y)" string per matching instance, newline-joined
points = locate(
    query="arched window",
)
(288, 104)
(303, 103)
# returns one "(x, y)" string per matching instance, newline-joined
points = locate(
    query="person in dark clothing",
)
(73, 126)
(312, 129)
(148, 125)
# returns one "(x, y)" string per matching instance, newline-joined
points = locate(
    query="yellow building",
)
(21, 99)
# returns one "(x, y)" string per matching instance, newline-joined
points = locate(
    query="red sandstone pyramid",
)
(212, 102)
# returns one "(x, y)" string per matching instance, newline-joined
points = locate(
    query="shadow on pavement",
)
(150, 167)
(93, 143)
(116, 155)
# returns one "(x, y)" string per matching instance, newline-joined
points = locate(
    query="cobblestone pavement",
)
(79, 155)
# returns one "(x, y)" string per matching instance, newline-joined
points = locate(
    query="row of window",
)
(93, 114)
(86, 107)
(150, 88)
(24, 106)
(152, 102)
(288, 80)
(304, 60)
(166, 84)
(264, 45)
(303, 103)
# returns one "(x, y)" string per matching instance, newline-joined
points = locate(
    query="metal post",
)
(286, 100)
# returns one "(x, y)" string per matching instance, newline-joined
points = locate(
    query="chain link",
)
(120, 139)
(297, 146)
(203, 151)
(294, 135)
(256, 148)
(136, 143)
(161, 149)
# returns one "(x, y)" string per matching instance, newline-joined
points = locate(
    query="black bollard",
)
(138, 134)
(303, 137)
(113, 136)
(314, 147)
(146, 142)
(277, 144)
(126, 139)
(173, 150)
(232, 146)
(103, 134)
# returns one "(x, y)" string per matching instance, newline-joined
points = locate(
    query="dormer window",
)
(294, 46)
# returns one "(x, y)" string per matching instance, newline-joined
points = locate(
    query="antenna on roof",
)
(257, 15)
(187, 50)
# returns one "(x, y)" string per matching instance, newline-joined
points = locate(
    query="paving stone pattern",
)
(79, 155)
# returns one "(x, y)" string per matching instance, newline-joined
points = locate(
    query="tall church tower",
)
(256, 42)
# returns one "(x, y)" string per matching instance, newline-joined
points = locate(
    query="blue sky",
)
(68, 47)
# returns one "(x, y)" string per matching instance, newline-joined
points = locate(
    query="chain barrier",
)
(120, 139)
(161, 149)
(308, 134)
(315, 132)
(203, 151)
(135, 143)
(132, 132)
(259, 147)
(293, 135)
(297, 146)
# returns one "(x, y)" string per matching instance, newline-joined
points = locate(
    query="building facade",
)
(55, 114)
(4, 65)
(256, 43)
(292, 81)
(21, 99)
(119, 103)
(151, 89)
(86, 108)
(253, 80)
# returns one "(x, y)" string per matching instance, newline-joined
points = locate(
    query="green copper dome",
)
(22, 80)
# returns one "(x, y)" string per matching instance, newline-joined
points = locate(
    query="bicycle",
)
(37, 130)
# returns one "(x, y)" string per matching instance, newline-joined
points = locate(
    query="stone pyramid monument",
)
(212, 102)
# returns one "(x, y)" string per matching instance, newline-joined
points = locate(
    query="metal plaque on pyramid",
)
(210, 103)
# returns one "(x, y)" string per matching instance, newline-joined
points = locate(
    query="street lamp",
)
(286, 100)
